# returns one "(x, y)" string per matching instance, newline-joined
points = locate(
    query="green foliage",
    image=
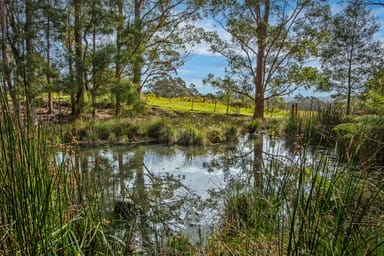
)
(351, 31)
(362, 140)
(161, 131)
(375, 103)
(293, 126)
(317, 127)
(170, 87)
(191, 136)
(45, 209)
(311, 208)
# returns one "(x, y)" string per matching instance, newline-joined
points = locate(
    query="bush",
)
(133, 131)
(162, 131)
(190, 136)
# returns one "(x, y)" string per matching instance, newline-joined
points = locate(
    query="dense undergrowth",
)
(184, 130)
(356, 138)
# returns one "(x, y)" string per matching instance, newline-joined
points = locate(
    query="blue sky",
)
(202, 61)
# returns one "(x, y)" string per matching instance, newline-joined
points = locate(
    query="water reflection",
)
(153, 192)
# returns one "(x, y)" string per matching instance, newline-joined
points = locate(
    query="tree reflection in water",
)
(152, 193)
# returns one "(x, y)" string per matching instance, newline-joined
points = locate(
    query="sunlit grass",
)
(206, 106)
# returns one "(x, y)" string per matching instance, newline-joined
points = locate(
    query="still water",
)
(158, 191)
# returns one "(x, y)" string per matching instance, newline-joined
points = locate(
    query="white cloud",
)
(208, 25)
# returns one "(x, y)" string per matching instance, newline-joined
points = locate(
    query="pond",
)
(152, 192)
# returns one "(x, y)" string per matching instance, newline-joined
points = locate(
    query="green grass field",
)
(204, 106)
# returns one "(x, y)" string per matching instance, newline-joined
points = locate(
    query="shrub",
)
(190, 136)
(162, 131)
(133, 131)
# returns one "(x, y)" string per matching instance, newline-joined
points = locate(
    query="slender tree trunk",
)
(48, 38)
(29, 69)
(138, 60)
(94, 82)
(120, 27)
(7, 71)
(259, 84)
(79, 72)
(349, 81)
(70, 63)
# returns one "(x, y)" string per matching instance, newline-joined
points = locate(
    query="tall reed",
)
(45, 208)
(301, 204)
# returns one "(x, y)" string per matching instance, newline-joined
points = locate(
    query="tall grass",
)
(46, 207)
(301, 204)
(316, 126)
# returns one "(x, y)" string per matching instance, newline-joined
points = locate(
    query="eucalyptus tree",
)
(87, 40)
(23, 23)
(52, 25)
(352, 55)
(169, 87)
(270, 42)
(97, 60)
(150, 40)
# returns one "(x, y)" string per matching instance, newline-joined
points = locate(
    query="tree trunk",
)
(7, 71)
(349, 83)
(48, 38)
(79, 72)
(29, 69)
(138, 59)
(120, 27)
(94, 80)
(261, 31)
(70, 63)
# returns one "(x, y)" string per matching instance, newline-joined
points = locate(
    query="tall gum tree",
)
(270, 45)
(22, 27)
(150, 40)
(351, 56)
